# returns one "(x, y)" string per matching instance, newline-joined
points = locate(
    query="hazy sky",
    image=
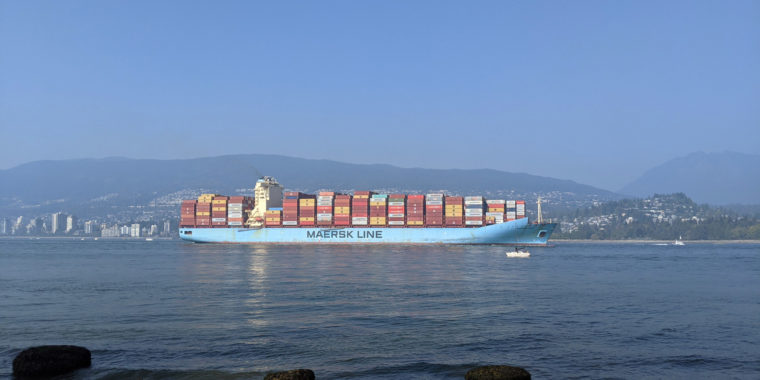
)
(593, 91)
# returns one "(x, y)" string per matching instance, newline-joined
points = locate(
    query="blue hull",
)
(516, 232)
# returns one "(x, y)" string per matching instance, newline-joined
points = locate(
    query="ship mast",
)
(540, 217)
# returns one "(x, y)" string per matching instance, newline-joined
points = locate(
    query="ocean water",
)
(168, 309)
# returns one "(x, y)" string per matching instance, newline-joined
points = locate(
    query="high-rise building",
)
(18, 225)
(34, 226)
(135, 230)
(57, 223)
(153, 230)
(106, 231)
(124, 230)
(4, 226)
(71, 223)
(167, 228)
(88, 227)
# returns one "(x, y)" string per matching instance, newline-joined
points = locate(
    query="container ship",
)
(274, 216)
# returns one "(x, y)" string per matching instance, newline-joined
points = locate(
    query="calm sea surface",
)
(167, 309)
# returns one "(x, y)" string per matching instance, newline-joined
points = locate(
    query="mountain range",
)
(714, 178)
(46, 186)
(89, 186)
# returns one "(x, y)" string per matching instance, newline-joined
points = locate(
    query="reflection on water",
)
(385, 311)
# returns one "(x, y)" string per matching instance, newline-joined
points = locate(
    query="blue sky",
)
(593, 91)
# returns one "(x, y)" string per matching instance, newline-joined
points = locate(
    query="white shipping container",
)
(396, 222)
(218, 219)
(395, 215)
(510, 204)
(520, 213)
(473, 198)
(495, 214)
(360, 220)
(234, 215)
(473, 222)
(324, 215)
(520, 208)
(511, 214)
(395, 203)
(290, 223)
(434, 203)
(235, 223)
(496, 201)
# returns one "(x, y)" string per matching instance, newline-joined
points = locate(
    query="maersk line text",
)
(327, 234)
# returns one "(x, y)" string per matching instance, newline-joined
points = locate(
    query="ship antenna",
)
(540, 217)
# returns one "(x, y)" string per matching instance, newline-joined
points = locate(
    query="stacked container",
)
(360, 208)
(237, 210)
(473, 211)
(434, 209)
(325, 208)
(377, 209)
(206, 198)
(454, 212)
(187, 213)
(203, 210)
(307, 210)
(342, 210)
(219, 211)
(290, 208)
(520, 209)
(415, 210)
(495, 211)
(396, 209)
(511, 213)
(273, 217)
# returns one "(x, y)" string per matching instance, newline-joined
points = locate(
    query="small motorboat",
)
(518, 252)
(679, 242)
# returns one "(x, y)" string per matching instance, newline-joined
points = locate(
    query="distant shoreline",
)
(643, 241)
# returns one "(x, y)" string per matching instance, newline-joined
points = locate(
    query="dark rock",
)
(50, 360)
(497, 372)
(295, 374)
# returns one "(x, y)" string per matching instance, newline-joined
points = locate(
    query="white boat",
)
(518, 252)
(148, 239)
(679, 242)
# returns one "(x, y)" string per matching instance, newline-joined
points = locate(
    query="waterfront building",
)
(88, 227)
(167, 228)
(33, 227)
(106, 231)
(71, 222)
(57, 222)
(17, 226)
(135, 230)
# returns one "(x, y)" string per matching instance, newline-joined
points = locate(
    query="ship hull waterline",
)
(516, 232)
